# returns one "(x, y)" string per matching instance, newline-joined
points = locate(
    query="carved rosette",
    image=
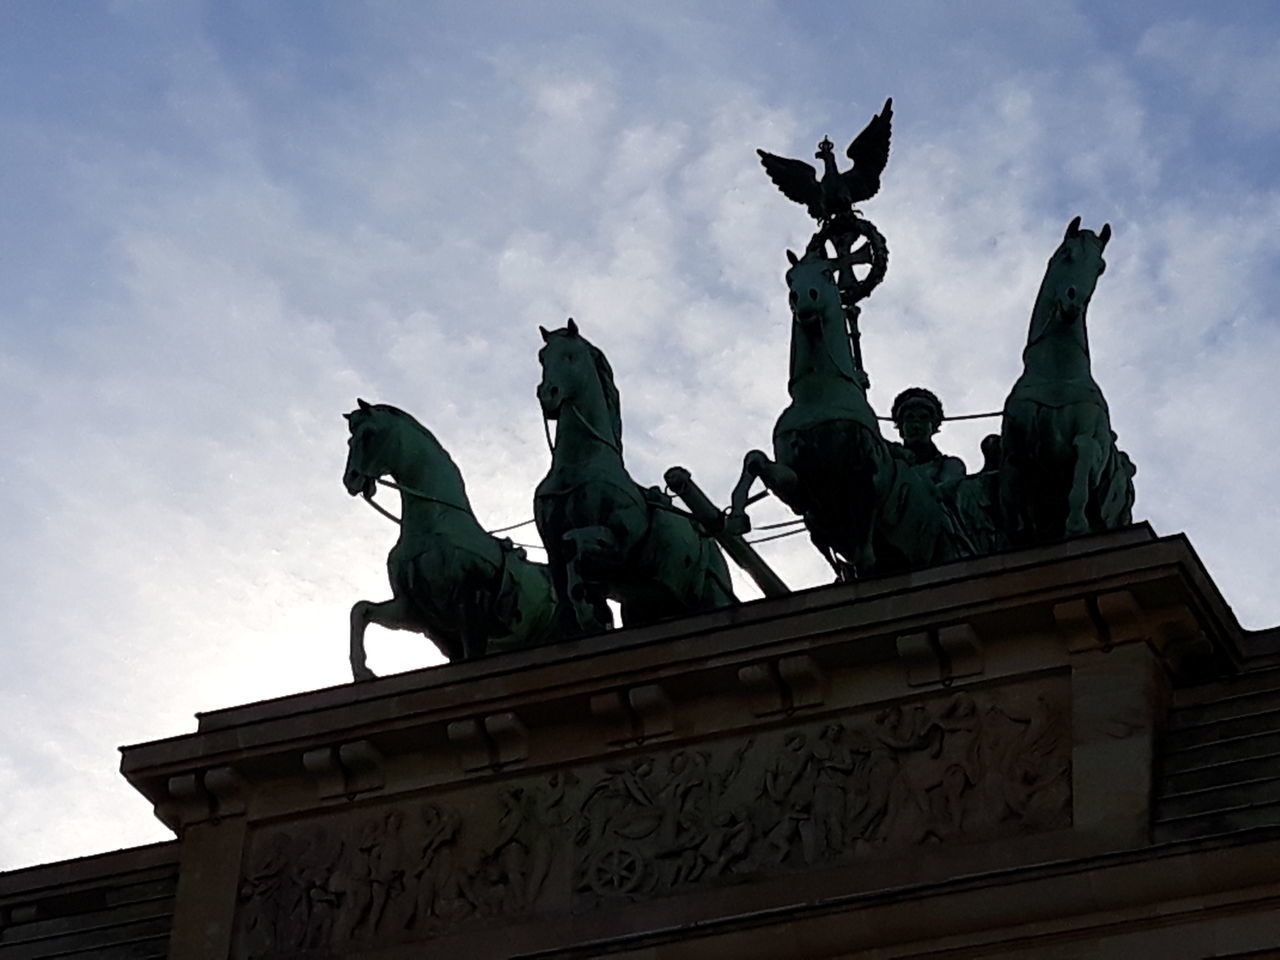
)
(969, 766)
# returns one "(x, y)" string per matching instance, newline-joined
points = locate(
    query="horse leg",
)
(563, 584)
(737, 523)
(393, 614)
(580, 609)
(1084, 479)
(863, 561)
(843, 571)
(778, 479)
(593, 549)
(859, 529)
(471, 633)
(586, 617)
(1011, 509)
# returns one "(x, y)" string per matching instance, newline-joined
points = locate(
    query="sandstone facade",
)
(1062, 752)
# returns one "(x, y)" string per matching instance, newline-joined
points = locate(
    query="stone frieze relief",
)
(964, 767)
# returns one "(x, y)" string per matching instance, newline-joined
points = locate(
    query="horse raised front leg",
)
(394, 614)
(778, 479)
(1084, 480)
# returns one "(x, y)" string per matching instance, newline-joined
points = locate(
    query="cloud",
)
(1232, 69)
(262, 224)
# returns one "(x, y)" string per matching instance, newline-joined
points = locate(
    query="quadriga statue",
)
(465, 589)
(867, 510)
(606, 536)
(1061, 473)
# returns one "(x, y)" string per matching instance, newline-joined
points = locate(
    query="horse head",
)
(814, 294)
(366, 449)
(1070, 279)
(386, 441)
(576, 374)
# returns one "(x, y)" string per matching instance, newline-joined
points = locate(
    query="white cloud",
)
(239, 271)
(1232, 69)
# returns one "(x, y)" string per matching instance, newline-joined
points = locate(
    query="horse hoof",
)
(362, 674)
(1076, 528)
(737, 524)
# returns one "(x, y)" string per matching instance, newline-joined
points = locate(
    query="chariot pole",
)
(680, 482)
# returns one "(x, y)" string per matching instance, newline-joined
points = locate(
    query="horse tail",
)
(1115, 503)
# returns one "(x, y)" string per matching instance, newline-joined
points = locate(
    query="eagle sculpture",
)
(836, 192)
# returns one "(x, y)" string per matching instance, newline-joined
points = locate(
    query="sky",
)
(224, 221)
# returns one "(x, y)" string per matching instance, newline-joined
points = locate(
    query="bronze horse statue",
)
(1061, 473)
(463, 588)
(866, 510)
(606, 536)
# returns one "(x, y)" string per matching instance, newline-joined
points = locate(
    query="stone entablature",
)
(111, 906)
(978, 718)
(959, 767)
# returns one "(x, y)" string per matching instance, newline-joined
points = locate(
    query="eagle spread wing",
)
(796, 179)
(869, 152)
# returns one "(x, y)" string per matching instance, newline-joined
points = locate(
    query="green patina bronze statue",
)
(973, 500)
(606, 536)
(867, 511)
(1061, 473)
(870, 506)
(467, 591)
(836, 192)
(917, 413)
(850, 240)
(969, 499)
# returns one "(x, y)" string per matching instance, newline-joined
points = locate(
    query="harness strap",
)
(382, 510)
(611, 444)
(413, 493)
(420, 495)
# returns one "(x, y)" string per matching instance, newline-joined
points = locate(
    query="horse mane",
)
(414, 422)
(403, 414)
(612, 400)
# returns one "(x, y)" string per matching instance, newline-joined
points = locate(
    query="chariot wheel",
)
(616, 871)
(861, 254)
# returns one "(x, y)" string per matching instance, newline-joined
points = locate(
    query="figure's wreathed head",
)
(917, 398)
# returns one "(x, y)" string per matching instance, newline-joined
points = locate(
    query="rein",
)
(546, 426)
(546, 430)
(827, 352)
(411, 492)
(831, 358)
